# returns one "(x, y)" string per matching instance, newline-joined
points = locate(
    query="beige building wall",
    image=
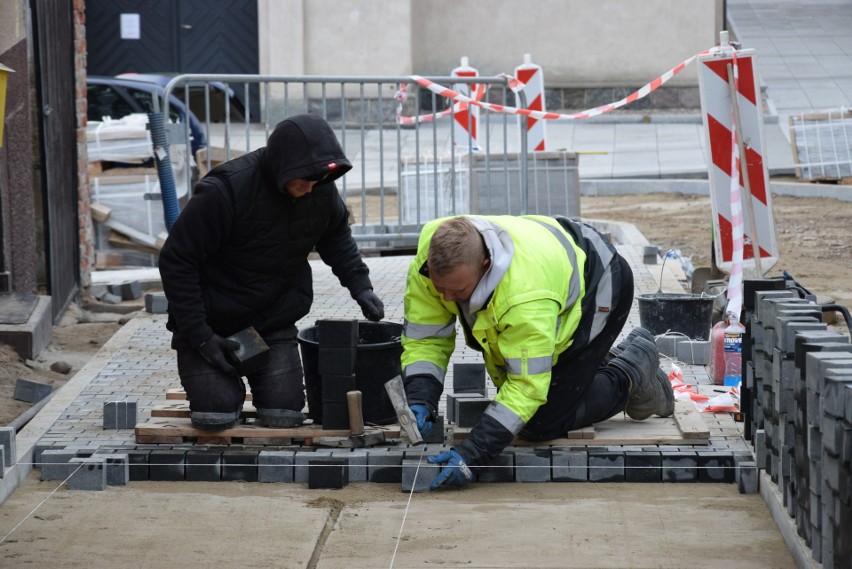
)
(579, 43)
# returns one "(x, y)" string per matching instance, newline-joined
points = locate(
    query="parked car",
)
(216, 95)
(118, 97)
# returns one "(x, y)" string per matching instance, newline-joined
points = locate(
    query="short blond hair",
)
(456, 242)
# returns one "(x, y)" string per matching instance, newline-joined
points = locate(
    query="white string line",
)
(39, 505)
(407, 505)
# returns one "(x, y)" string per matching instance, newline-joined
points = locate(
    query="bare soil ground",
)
(813, 236)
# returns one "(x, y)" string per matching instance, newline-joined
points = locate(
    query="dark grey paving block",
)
(679, 466)
(715, 466)
(204, 465)
(117, 467)
(275, 466)
(643, 466)
(300, 472)
(337, 333)
(119, 414)
(385, 466)
(327, 472)
(417, 476)
(606, 466)
(501, 469)
(88, 473)
(336, 386)
(570, 465)
(469, 378)
(468, 410)
(747, 477)
(239, 465)
(336, 361)
(335, 415)
(532, 466)
(356, 463)
(167, 465)
(139, 464)
(7, 441)
(436, 435)
(30, 391)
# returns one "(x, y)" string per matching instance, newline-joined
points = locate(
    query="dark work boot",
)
(281, 418)
(635, 333)
(208, 421)
(650, 392)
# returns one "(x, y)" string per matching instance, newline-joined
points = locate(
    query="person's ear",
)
(485, 264)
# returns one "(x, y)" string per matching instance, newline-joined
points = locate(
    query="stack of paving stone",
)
(800, 374)
(338, 340)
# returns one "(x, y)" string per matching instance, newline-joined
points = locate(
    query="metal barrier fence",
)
(403, 175)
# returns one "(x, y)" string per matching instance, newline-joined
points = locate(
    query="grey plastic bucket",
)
(687, 314)
(377, 361)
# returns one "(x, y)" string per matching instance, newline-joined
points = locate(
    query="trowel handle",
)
(356, 416)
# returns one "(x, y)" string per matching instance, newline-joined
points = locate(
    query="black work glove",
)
(219, 352)
(371, 306)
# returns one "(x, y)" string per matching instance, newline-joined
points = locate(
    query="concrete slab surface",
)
(237, 524)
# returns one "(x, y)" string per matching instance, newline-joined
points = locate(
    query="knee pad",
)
(209, 421)
(283, 418)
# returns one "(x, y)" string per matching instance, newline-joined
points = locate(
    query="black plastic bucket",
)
(687, 314)
(377, 361)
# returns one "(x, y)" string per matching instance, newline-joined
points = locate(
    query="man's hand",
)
(372, 308)
(219, 351)
(423, 416)
(455, 473)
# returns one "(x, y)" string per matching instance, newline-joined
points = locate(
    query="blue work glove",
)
(456, 471)
(219, 352)
(371, 306)
(423, 416)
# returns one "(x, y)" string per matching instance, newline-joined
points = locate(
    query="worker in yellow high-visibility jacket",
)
(543, 299)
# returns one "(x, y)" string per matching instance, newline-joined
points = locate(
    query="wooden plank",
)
(689, 421)
(175, 430)
(100, 212)
(181, 394)
(621, 430)
(181, 409)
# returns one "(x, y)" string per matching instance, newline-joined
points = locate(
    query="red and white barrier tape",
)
(478, 94)
(516, 85)
(728, 402)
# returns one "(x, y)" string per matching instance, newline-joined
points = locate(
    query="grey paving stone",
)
(300, 473)
(747, 477)
(88, 473)
(570, 465)
(7, 441)
(204, 465)
(275, 466)
(239, 465)
(679, 466)
(30, 391)
(417, 476)
(606, 466)
(532, 466)
(55, 464)
(715, 466)
(119, 414)
(385, 466)
(643, 466)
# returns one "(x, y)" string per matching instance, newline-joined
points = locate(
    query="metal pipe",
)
(21, 420)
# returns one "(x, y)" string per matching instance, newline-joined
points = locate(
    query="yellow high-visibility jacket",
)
(522, 316)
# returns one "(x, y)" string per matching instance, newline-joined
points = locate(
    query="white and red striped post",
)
(532, 77)
(759, 244)
(466, 116)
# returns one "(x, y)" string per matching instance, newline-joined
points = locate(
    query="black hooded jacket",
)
(237, 253)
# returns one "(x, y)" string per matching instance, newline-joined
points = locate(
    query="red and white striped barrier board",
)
(532, 77)
(465, 116)
(719, 128)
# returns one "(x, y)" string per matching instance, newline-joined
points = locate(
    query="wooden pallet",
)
(177, 430)
(170, 424)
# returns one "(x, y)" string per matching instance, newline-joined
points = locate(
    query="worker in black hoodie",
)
(237, 256)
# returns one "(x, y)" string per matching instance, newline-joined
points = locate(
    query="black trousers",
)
(279, 385)
(583, 388)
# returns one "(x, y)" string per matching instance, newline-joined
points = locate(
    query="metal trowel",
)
(407, 421)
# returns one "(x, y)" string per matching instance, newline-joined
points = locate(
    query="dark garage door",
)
(179, 36)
